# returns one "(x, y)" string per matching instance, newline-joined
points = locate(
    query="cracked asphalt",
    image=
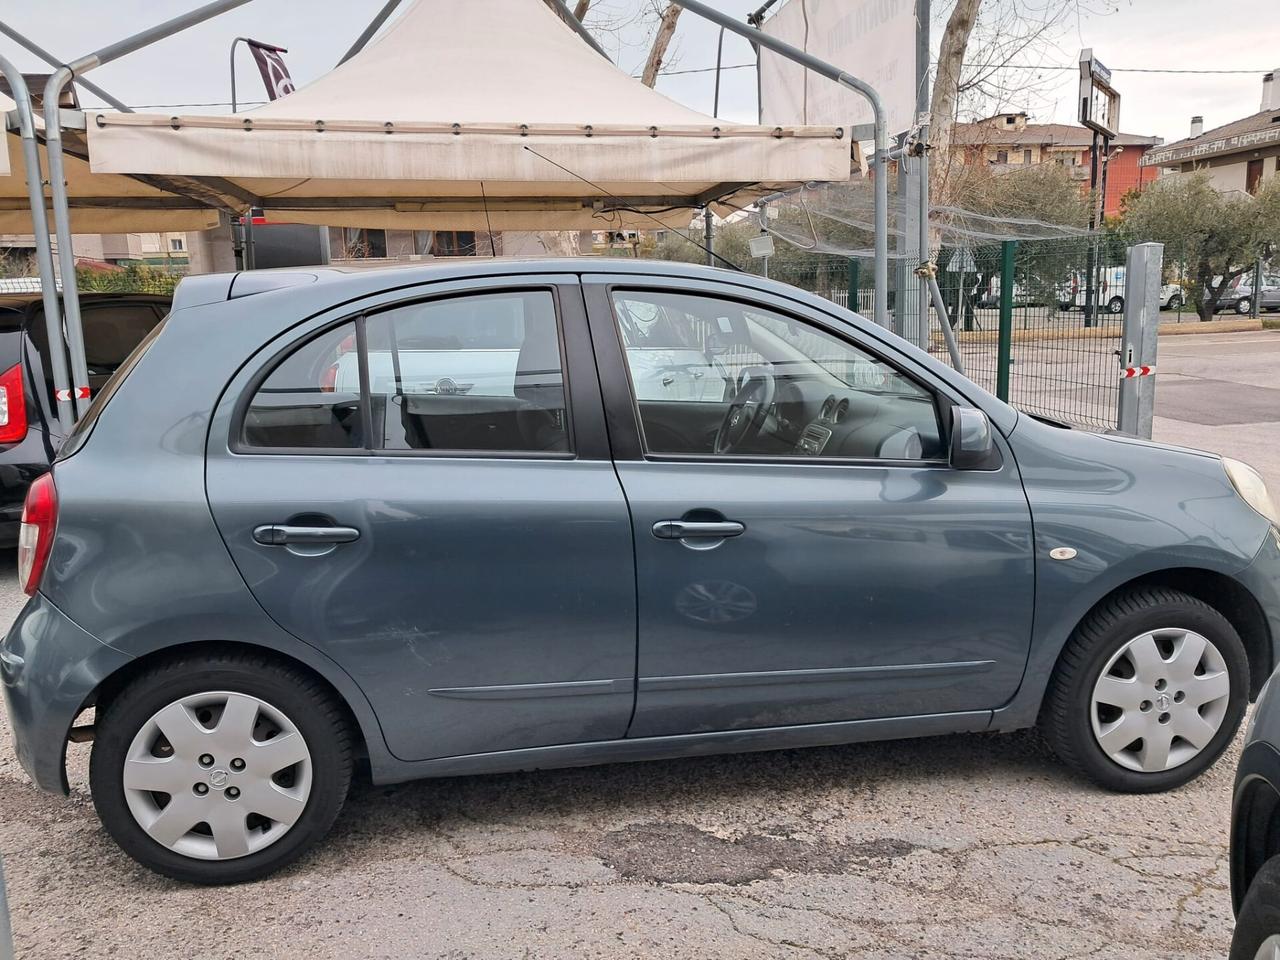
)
(977, 846)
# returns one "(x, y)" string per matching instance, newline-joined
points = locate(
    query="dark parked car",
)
(489, 516)
(1255, 835)
(29, 430)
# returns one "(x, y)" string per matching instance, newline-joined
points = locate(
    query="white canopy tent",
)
(100, 203)
(466, 115)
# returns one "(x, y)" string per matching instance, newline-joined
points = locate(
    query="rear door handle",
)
(279, 534)
(687, 529)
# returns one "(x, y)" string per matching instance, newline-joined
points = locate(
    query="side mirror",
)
(973, 446)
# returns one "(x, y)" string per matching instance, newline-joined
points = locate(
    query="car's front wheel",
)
(221, 768)
(1115, 305)
(1148, 692)
(1257, 935)
(1244, 305)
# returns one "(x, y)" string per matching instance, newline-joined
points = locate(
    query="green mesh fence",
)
(1063, 358)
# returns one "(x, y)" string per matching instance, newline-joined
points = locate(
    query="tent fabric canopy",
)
(99, 203)
(461, 115)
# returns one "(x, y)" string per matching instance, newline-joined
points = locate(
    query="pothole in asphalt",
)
(682, 853)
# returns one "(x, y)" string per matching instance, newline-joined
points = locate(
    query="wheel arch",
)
(1255, 821)
(365, 731)
(1224, 594)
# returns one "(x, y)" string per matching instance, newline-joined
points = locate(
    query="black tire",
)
(299, 696)
(1244, 305)
(1065, 716)
(1175, 302)
(1115, 305)
(1259, 917)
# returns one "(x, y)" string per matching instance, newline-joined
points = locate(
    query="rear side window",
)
(111, 332)
(312, 397)
(479, 373)
(80, 432)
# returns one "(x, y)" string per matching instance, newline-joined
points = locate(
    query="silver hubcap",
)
(1160, 700)
(217, 775)
(1269, 949)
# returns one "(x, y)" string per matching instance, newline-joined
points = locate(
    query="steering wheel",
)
(748, 412)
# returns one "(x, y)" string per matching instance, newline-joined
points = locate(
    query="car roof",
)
(344, 281)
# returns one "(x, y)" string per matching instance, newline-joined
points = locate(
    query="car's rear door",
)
(420, 486)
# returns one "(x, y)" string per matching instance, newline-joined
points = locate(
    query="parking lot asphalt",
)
(976, 846)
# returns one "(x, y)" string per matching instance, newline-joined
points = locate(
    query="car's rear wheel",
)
(1257, 935)
(1115, 305)
(1148, 692)
(1244, 305)
(220, 769)
(1175, 302)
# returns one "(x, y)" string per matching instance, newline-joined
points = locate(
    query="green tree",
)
(1218, 235)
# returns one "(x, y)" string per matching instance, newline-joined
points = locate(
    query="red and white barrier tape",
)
(1128, 373)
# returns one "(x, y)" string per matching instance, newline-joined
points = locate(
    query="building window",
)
(454, 243)
(176, 244)
(1002, 156)
(360, 244)
(1008, 121)
(1026, 156)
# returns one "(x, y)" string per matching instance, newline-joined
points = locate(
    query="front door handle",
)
(280, 534)
(688, 529)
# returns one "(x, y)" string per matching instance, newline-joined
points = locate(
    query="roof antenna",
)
(728, 263)
(492, 247)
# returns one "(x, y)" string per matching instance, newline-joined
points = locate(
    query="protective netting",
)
(839, 218)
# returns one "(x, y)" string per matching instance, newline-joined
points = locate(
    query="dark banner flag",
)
(275, 75)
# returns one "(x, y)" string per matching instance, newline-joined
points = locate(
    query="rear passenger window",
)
(473, 373)
(469, 374)
(312, 398)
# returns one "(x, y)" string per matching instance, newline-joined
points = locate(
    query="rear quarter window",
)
(80, 432)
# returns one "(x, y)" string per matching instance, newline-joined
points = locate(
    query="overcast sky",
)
(191, 68)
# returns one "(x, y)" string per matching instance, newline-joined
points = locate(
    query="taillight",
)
(13, 406)
(35, 535)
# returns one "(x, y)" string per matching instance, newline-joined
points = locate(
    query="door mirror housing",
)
(973, 444)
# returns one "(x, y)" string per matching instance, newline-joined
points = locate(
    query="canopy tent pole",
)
(49, 58)
(378, 20)
(831, 72)
(44, 253)
(57, 177)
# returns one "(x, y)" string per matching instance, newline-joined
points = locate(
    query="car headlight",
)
(1252, 489)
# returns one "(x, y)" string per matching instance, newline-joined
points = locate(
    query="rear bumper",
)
(48, 668)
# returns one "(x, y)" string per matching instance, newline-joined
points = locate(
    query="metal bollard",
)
(6, 932)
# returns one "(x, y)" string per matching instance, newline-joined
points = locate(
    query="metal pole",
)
(923, 13)
(1140, 339)
(1090, 293)
(57, 177)
(249, 258)
(831, 72)
(53, 61)
(948, 332)
(707, 226)
(1004, 351)
(1257, 288)
(6, 931)
(854, 268)
(44, 252)
(379, 19)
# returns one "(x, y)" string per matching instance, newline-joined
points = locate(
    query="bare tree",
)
(661, 40)
(580, 9)
(946, 86)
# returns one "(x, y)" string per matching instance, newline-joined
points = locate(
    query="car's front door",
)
(423, 490)
(805, 553)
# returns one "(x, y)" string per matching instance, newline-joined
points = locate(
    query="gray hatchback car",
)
(502, 515)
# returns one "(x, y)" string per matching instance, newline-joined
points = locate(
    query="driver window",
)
(718, 378)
